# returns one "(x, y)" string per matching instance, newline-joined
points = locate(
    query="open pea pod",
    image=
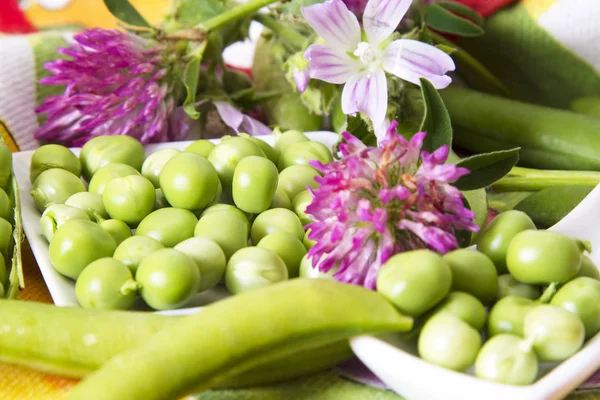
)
(235, 335)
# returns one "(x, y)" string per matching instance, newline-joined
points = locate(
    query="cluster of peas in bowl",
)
(522, 297)
(175, 223)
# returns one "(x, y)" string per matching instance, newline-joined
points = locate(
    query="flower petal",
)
(411, 60)
(330, 65)
(239, 121)
(301, 79)
(335, 23)
(381, 18)
(366, 93)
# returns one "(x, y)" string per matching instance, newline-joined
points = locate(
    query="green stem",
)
(530, 180)
(548, 293)
(234, 14)
(282, 31)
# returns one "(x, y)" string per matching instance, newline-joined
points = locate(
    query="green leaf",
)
(442, 20)
(357, 126)
(477, 202)
(436, 120)
(462, 10)
(505, 201)
(189, 13)
(190, 81)
(293, 8)
(126, 12)
(486, 168)
(447, 49)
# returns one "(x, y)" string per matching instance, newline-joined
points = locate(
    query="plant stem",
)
(529, 180)
(282, 31)
(234, 14)
(548, 293)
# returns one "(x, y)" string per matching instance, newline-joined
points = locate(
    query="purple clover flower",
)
(379, 201)
(116, 83)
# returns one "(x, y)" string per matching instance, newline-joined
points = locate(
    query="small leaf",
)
(486, 168)
(462, 10)
(505, 201)
(436, 120)
(358, 127)
(477, 202)
(189, 13)
(443, 20)
(190, 80)
(126, 12)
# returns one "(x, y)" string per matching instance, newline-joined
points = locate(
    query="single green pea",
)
(168, 225)
(288, 247)
(209, 258)
(168, 278)
(588, 268)
(201, 147)
(103, 150)
(53, 156)
(493, 241)
(281, 199)
(76, 244)
(415, 281)
(269, 151)
(509, 286)
(464, 306)
(54, 186)
(473, 272)
(134, 249)
(302, 153)
(449, 342)
(6, 208)
(116, 228)
(155, 162)
(287, 138)
(225, 207)
(276, 219)
(89, 202)
(189, 181)
(308, 243)
(106, 284)
(129, 199)
(307, 270)
(6, 236)
(539, 257)
(107, 173)
(252, 268)
(297, 178)
(6, 162)
(161, 201)
(56, 215)
(229, 229)
(254, 183)
(557, 334)
(581, 296)
(507, 359)
(301, 201)
(228, 153)
(508, 315)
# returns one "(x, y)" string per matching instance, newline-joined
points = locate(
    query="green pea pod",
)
(548, 138)
(5, 165)
(239, 333)
(548, 206)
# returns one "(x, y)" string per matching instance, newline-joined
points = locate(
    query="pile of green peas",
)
(171, 224)
(522, 297)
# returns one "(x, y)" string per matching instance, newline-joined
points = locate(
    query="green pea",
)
(218, 195)
(103, 150)
(168, 225)
(506, 359)
(6, 161)
(539, 257)
(116, 228)
(228, 153)
(252, 268)
(287, 138)
(134, 249)
(473, 272)
(161, 201)
(155, 162)
(254, 183)
(301, 201)
(581, 296)
(129, 199)
(89, 202)
(201, 147)
(308, 243)
(296, 178)
(189, 181)
(276, 219)
(269, 151)
(225, 207)
(308, 271)
(209, 258)
(588, 268)
(107, 173)
(288, 247)
(415, 281)
(449, 342)
(281, 199)
(53, 156)
(508, 315)
(303, 152)
(56, 215)
(6, 209)
(168, 278)
(493, 241)
(76, 244)
(54, 186)
(228, 229)
(106, 284)
(464, 306)
(509, 286)
(6, 233)
(557, 334)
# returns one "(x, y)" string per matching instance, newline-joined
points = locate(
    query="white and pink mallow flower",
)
(360, 62)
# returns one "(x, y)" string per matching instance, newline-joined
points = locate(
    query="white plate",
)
(62, 289)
